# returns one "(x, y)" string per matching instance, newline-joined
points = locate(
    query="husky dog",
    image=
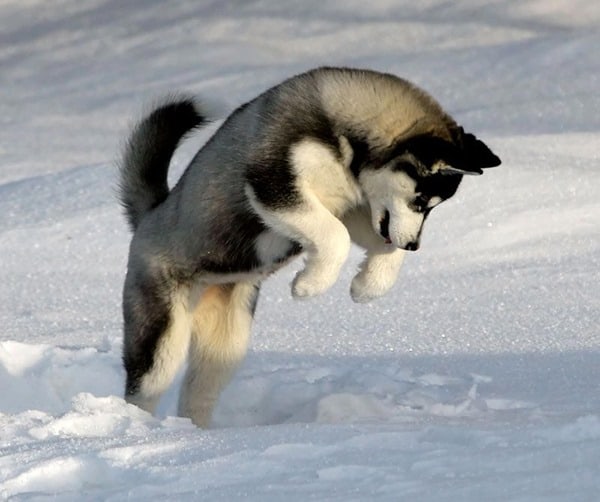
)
(326, 158)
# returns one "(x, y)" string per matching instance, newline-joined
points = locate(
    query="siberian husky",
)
(326, 158)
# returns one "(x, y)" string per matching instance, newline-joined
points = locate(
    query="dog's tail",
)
(147, 154)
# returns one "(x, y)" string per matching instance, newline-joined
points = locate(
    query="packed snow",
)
(476, 378)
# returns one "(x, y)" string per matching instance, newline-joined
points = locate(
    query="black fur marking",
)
(434, 185)
(420, 203)
(146, 318)
(438, 185)
(478, 152)
(237, 233)
(171, 122)
(237, 254)
(273, 183)
(384, 226)
(467, 153)
(143, 185)
(428, 150)
(360, 155)
(271, 174)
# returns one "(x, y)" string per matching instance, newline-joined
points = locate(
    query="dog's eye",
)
(420, 203)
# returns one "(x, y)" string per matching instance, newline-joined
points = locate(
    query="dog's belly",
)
(269, 252)
(272, 248)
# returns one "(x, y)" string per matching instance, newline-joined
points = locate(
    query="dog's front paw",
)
(377, 276)
(308, 285)
(364, 289)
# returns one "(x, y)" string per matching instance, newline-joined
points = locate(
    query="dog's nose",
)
(412, 246)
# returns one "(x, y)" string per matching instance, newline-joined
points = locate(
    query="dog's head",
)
(414, 176)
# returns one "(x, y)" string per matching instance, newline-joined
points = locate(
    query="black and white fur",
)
(326, 158)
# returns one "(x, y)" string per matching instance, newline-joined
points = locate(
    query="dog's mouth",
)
(384, 227)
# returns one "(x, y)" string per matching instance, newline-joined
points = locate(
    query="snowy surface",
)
(476, 378)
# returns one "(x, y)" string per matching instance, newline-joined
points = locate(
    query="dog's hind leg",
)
(380, 268)
(157, 332)
(220, 332)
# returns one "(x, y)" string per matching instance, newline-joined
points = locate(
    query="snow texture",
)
(476, 378)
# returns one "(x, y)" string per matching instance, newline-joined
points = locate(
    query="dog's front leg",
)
(322, 236)
(378, 273)
(380, 268)
(327, 245)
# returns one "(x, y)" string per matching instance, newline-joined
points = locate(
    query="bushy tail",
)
(147, 154)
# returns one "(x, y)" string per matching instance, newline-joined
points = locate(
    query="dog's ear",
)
(446, 169)
(477, 154)
(474, 156)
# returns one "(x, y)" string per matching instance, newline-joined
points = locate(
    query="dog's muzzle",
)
(384, 231)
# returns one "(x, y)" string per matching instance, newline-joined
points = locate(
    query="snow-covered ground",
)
(476, 378)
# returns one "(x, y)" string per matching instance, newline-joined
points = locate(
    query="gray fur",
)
(325, 157)
(146, 156)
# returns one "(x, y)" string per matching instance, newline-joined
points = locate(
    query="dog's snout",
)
(412, 246)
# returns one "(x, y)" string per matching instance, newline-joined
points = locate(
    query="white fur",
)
(169, 356)
(220, 334)
(320, 172)
(434, 201)
(379, 271)
(405, 223)
(210, 324)
(327, 190)
(394, 192)
(323, 237)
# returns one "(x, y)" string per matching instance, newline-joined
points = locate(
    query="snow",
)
(476, 378)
